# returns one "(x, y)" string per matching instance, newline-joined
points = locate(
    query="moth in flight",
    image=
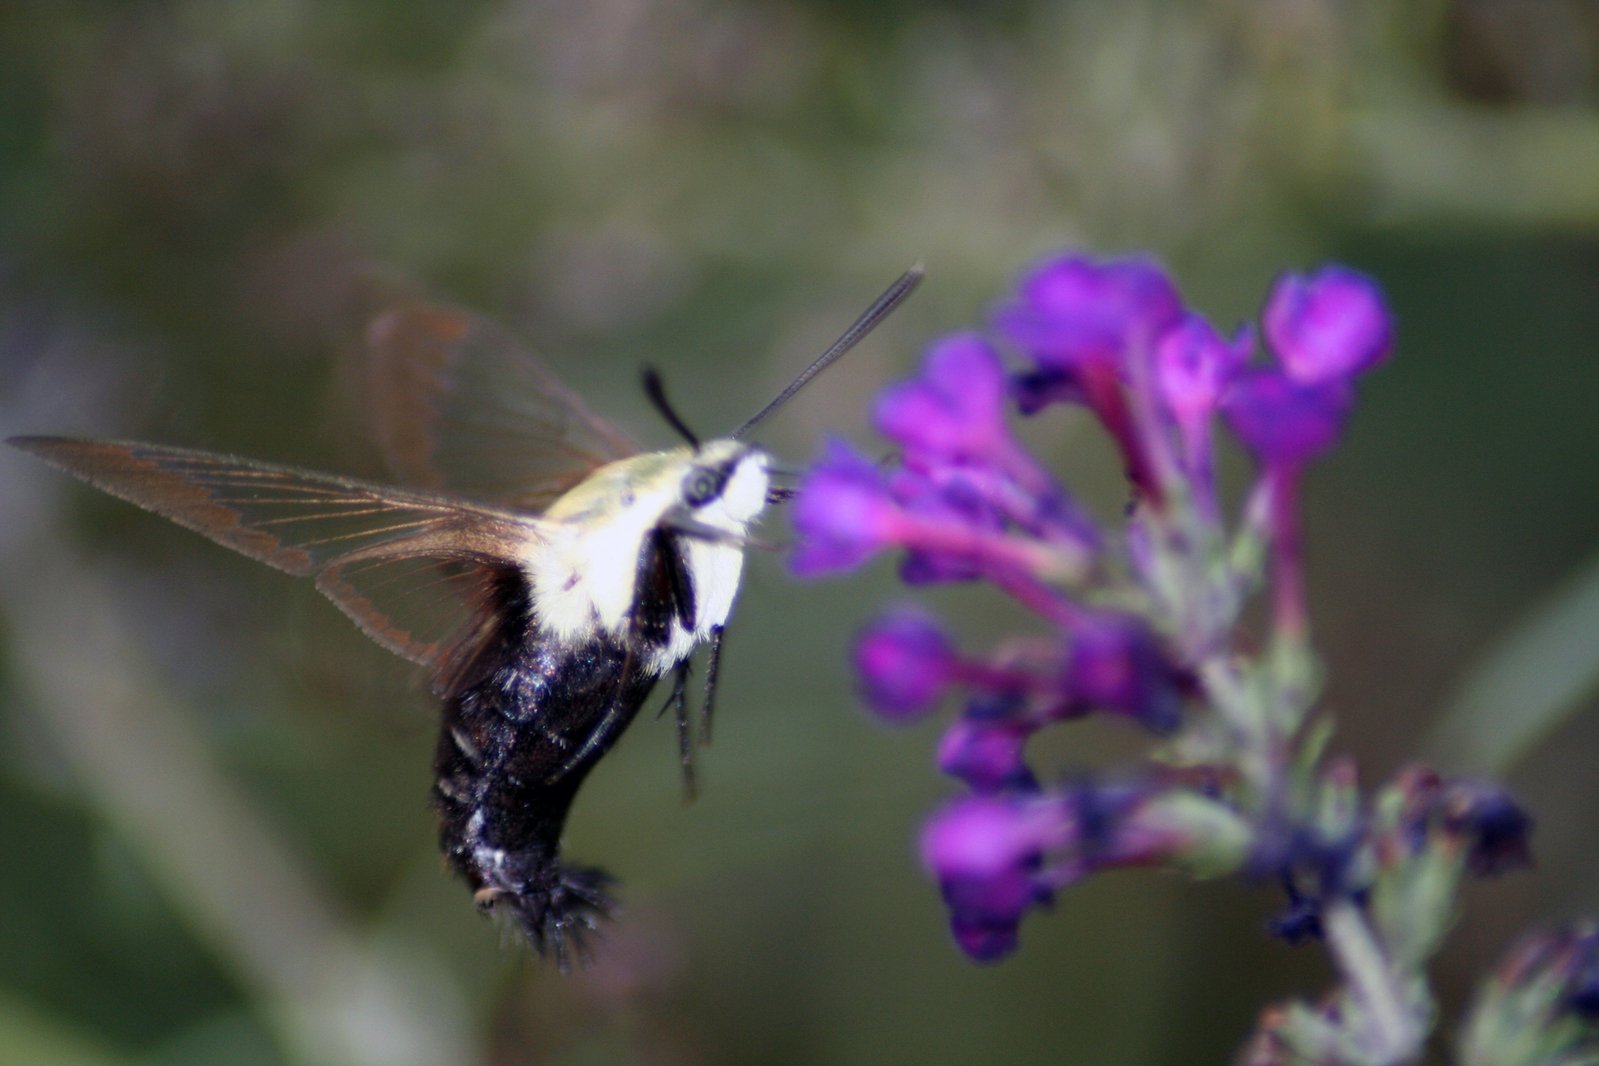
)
(545, 573)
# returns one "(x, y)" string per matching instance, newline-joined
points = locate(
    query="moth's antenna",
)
(892, 297)
(656, 391)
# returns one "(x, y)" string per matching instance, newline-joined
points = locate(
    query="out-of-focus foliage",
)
(212, 791)
(1524, 688)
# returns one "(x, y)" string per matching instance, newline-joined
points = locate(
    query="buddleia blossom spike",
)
(1137, 617)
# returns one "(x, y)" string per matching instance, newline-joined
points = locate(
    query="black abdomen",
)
(524, 721)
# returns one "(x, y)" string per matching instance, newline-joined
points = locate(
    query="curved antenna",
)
(892, 297)
(655, 390)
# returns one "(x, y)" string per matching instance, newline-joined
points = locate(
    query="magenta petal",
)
(1074, 310)
(987, 752)
(1117, 664)
(1194, 364)
(954, 408)
(1329, 326)
(904, 662)
(843, 513)
(981, 837)
(945, 494)
(1284, 421)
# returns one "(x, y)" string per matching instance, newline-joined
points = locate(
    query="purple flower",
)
(848, 508)
(1494, 828)
(958, 515)
(905, 662)
(1192, 369)
(1116, 664)
(1074, 311)
(1083, 323)
(960, 460)
(1194, 365)
(843, 513)
(1329, 326)
(955, 409)
(1283, 421)
(984, 852)
(996, 856)
(948, 495)
(985, 748)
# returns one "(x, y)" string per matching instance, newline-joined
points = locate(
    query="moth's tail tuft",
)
(559, 909)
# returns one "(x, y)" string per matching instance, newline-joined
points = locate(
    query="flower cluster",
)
(1140, 620)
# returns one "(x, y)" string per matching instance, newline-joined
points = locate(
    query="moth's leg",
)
(713, 664)
(678, 702)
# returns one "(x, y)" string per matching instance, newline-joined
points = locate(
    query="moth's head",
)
(731, 479)
(726, 477)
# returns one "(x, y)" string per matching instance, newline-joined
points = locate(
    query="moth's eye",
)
(703, 485)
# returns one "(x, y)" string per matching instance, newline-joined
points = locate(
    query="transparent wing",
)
(414, 570)
(459, 404)
(432, 609)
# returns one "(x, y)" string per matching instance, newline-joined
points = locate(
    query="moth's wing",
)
(434, 607)
(416, 571)
(459, 404)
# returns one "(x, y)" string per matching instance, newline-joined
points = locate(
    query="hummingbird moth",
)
(544, 571)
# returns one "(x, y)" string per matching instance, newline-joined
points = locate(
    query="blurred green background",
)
(213, 815)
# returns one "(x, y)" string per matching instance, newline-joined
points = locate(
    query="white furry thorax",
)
(584, 572)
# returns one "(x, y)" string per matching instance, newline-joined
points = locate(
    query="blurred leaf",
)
(27, 1035)
(1544, 669)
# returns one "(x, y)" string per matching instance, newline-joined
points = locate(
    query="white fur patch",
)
(584, 573)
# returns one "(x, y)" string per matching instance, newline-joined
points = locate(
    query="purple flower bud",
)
(1074, 311)
(1193, 366)
(905, 663)
(843, 513)
(1493, 825)
(1283, 421)
(985, 749)
(955, 408)
(984, 851)
(1116, 664)
(1328, 327)
(1478, 816)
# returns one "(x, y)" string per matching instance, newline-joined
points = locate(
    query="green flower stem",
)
(1394, 1033)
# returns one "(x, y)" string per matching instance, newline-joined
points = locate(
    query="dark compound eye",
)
(703, 485)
